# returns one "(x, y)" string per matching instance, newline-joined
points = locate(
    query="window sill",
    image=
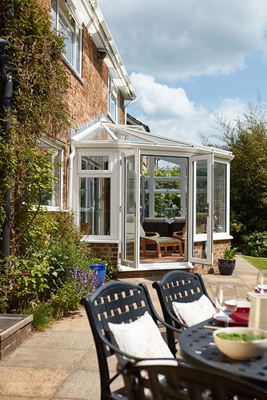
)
(49, 208)
(216, 236)
(94, 239)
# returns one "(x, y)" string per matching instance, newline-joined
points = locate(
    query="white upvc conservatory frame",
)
(115, 149)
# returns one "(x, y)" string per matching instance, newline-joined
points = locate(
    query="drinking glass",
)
(262, 282)
(226, 300)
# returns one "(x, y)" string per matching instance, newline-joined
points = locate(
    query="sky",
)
(191, 60)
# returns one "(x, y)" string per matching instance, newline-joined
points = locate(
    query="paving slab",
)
(30, 382)
(45, 357)
(80, 385)
(61, 363)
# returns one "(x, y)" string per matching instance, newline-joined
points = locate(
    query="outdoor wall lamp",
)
(101, 54)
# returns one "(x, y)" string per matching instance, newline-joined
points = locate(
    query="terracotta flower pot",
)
(226, 267)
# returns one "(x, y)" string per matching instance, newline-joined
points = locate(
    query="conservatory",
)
(149, 201)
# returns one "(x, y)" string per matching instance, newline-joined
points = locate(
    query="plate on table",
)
(221, 317)
(242, 312)
(261, 289)
(240, 316)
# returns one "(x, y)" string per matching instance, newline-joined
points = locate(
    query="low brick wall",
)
(218, 249)
(14, 329)
(108, 251)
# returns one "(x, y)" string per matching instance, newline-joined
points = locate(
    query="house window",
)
(53, 197)
(66, 25)
(220, 197)
(112, 100)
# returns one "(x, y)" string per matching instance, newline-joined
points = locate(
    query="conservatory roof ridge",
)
(108, 132)
(149, 135)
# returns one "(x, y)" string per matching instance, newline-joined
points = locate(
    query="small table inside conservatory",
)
(197, 347)
(161, 243)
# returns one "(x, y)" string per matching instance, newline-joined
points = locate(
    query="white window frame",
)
(60, 148)
(113, 91)
(226, 233)
(77, 49)
(112, 172)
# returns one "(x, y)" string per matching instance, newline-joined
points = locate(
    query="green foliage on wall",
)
(39, 109)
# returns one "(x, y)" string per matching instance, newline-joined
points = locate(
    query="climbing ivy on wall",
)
(40, 84)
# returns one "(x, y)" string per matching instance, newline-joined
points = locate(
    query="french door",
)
(200, 227)
(130, 201)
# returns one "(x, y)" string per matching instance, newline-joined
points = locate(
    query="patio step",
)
(14, 329)
(146, 273)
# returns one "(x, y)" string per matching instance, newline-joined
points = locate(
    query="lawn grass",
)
(258, 262)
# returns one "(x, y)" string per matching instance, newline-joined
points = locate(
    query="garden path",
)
(61, 364)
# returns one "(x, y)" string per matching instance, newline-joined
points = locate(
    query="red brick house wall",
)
(87, 95)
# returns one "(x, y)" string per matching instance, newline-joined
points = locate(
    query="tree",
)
(247, 139)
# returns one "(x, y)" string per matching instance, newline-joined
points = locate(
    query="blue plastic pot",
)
(100, 273)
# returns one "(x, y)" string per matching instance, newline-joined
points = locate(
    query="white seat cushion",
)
(194, 312)
(140, 338)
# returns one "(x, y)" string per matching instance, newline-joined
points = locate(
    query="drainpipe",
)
(126, 108)
(71, 191)
(6, 86)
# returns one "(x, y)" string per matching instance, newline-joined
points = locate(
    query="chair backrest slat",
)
(183, 382)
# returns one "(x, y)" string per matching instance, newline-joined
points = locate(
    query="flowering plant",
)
(85, 282)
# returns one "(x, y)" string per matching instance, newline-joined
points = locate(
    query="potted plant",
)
(227, 263)
(98, 266)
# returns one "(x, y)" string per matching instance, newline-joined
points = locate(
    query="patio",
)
(60, 363)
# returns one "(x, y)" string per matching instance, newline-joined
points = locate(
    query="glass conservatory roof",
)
(107, 132)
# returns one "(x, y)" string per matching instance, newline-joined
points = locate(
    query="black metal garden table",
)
(198, 348)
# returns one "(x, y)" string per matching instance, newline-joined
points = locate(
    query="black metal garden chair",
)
(115, 302)
(182, 287)
(168, 380)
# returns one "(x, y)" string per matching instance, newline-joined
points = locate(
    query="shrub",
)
(255, 244)
(42, 316)
(4, 292)
(65, 300)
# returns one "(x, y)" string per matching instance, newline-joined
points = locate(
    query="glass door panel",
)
(130, 244)
(200, 232)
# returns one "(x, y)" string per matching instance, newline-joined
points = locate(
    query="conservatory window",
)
(53, 198)
(163, 186)
(95, 205)
(94, 163)
(112, 100)
(220, 197)
(95, 194)
(66, 25)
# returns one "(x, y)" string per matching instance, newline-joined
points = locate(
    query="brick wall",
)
(218, 249)
(88, 96)
(107, 251)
